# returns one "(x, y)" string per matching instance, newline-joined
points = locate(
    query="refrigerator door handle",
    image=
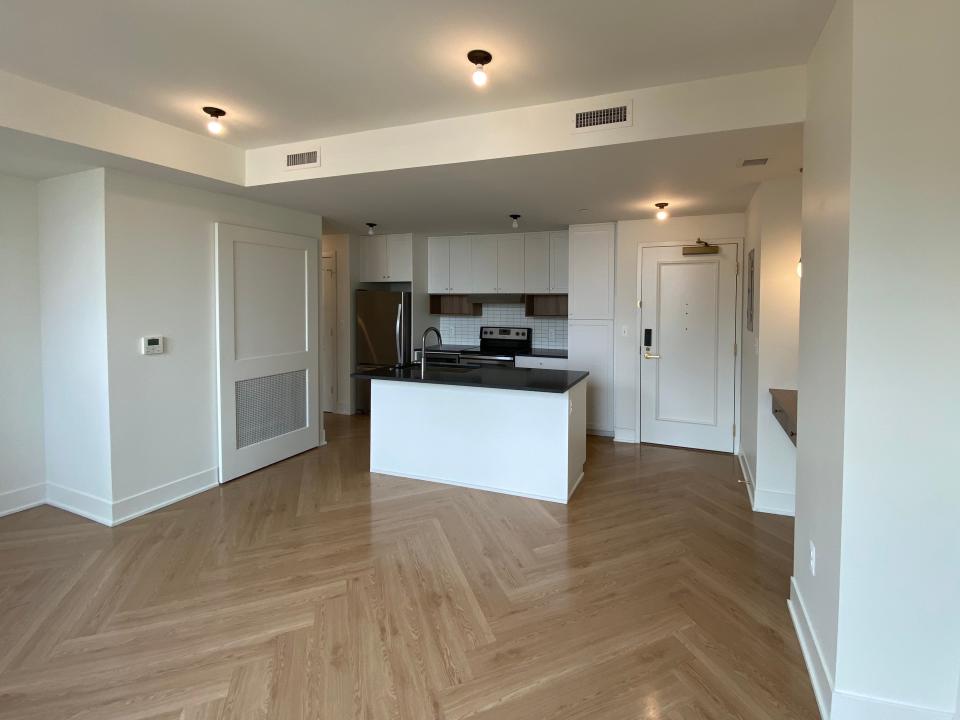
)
(399, 333)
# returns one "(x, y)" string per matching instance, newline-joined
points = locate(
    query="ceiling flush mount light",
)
(479, 59)
(662, 213)
(370, 227)
(215, 113)
(516, 220)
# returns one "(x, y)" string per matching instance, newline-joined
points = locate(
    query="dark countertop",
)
(536, 352)
(501, 378)
(545, 353)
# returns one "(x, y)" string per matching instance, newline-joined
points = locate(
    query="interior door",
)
(267, 347)
(328, 344)
(687, 347)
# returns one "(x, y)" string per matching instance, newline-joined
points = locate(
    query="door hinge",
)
(734, 429)
(734, 349)
(639, 303)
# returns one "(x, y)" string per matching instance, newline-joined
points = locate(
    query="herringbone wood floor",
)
(313, 589)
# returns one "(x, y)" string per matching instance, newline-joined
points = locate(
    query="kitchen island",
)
(519, 431)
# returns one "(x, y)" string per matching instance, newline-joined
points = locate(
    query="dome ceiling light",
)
(479, 59)
(214, 125)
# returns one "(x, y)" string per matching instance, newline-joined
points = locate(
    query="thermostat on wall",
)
(151, 345)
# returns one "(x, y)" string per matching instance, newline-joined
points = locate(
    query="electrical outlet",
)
(813, 558)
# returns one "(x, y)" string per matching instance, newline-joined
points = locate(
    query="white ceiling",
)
(287, 70)
(697, 175)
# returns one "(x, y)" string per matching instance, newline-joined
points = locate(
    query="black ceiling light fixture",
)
(662, 213)
(370, 227)
(215, 113)
(479, 59)
(516, 219)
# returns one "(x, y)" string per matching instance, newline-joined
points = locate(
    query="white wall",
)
(877, 483)
(21, 409)
(339, 245)
(160, 279)
(823, 335)
(76, 409)
(631, 235)
(899, 629)
(770, 351)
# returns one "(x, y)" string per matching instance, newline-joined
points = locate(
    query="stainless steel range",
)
(499, 346)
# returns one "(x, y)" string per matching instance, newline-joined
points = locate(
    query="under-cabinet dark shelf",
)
(546, 305)
(784, 404)
(454, 305)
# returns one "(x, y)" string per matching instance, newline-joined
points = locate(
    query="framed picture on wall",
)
(750, 291)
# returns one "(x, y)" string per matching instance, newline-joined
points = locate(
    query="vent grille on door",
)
(310, 158)
(270, 406)
(602, 118)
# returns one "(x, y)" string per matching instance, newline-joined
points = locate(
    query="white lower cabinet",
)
(544, 363)
(590, 348)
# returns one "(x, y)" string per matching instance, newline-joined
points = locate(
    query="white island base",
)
(518, 442)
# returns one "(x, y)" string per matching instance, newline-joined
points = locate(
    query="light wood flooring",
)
(313, 589)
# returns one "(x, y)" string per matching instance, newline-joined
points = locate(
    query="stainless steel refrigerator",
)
(382, 335)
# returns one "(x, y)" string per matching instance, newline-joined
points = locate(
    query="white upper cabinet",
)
(387, 258)
(438, 265)
(510, 263)
(559, 261)
(510, 251)
(536, 263)
(483, 258)
(400, 258)
(591, 271)
(461, 272)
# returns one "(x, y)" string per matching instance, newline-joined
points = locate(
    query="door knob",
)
(648, 356)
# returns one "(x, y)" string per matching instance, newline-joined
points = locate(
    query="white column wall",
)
(21, 412)
(76, 407)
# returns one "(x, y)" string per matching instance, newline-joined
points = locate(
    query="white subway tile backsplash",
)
(547, 332)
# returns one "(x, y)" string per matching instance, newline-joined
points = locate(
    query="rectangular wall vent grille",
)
(310, 158)
(618, 115)
(270, 406)
(754, 162)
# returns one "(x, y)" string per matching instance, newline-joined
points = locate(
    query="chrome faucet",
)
(423, 347)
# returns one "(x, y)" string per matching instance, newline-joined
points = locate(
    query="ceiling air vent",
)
(300, 160)
(603, 118)
(754, 162)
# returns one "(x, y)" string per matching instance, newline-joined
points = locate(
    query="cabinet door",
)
(591, 271)
(375, 258)
(590, 348)
(510, 263)
(559, 261)
(536, 263)
(400, 258)
(438, 265)
(461, 274)
(483, 263)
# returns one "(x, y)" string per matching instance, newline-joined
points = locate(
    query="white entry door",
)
(268, 359)
(328, 345)
(687, 347)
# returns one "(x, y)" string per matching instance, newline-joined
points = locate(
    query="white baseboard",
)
(473, 486)
(747, 476)
(22, 499)
(774, 502)
(847, 706)
(80, 503)
(575, 486)
(599, 432)
(625, 435)
(821, 676)
(156, 498)
(766, 501)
